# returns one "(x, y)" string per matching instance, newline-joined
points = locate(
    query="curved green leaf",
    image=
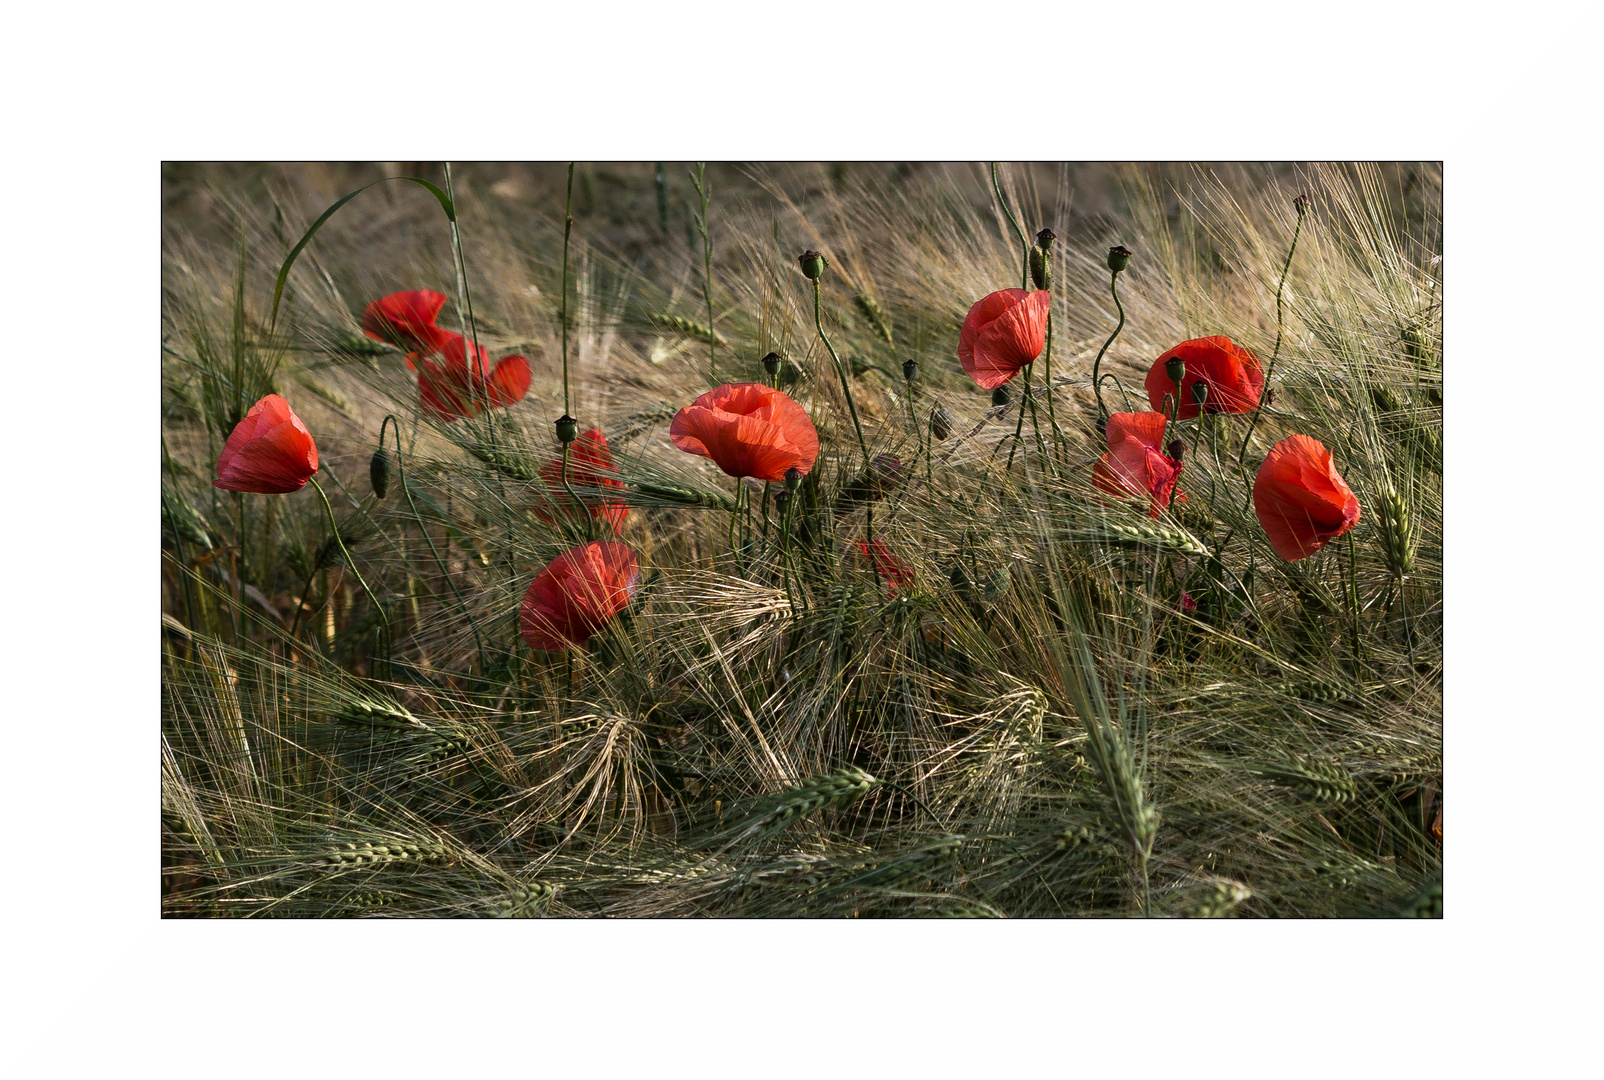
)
(284, 271)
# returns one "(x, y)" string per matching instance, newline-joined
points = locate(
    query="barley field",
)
(865, 540)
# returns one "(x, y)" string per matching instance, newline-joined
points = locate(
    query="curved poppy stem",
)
(1024, 271)
(1353, 592)
(434, 551)
(383, 616)
(1119, 386)
(846, 388)
(1303, 208)
(1097, 388)
(590, 523)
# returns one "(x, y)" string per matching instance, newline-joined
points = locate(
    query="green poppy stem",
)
(568, 228)
(846, 388)
(388, 639)
(1097, 388)
(1303, 208)
(1024, 270)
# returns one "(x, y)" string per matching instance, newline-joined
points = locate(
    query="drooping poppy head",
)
(406, 320)
(1231, 373)
(576, 595)
(895, 573)
(1002, 333)
(1302, 503)
(591, 474)
(448, 392)
(1134, 467)
(270, 452)
(748, 429)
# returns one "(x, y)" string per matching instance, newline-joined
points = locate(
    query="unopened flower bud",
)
(782, 499)
(1200, 393)
(1119, 258)
(910, 369)
(1302, 203)
(1175, 368)
(813, 264)
(567, 429)
(1176, 448)
(1038, 269)
(1045, 238)
(999, 397)
(771, 364)
(940, 423)
(379, 471)
(793, 478)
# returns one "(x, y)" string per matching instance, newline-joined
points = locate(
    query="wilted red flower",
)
(1231, 372)
(576, 595)
(269, 452)
(893, 571)
(1135, 467)
(447, 392)
(406, 320)
(590, 472)
(1001, 334)
(748, 429)
(1301, 501)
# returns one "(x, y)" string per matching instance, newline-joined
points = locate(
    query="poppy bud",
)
(793, 478)
(1200, 393)
(813, 264)
(567, 429)
(1302, 203)
(1119, 258)
(1038, 269)
(1175, 368)
(910, 369)
(1045, 238)
(997, 584)
(1176, 448)
(940, 423)
(379, 471)
(999, 397)
(771, 364)
(782, 499)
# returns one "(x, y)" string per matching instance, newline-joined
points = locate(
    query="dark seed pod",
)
(771, 364)
(940, 423)
(379, 471)
(813, 264)
(1200, 392)
(910, 369)
(793, 478)
(1000, 397)
(1119, 258)
(1175, 368)
(567, 429)
(1045, 238)
(1176, 448)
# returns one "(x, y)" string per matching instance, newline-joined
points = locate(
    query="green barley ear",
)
(1397, 533)
(923, 861)
(833, 789)
(1315, 781)
(367, 854)
(1219, 901)
(872, 312)
(1318, 690)
(181, 519)
(1140, 534)
(523, 902)
(687, 327)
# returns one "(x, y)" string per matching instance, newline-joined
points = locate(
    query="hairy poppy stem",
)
(846, 388)
(568, 227)
(470, 330)
(1020, 425)
(406, 490)
(699, 183)
(1024, 271)
(1303, 207)
(383, 616)
(1097, 387)
(584, 511)
(1353, 592)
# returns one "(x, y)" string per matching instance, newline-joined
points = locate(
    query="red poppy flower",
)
(893, 571)
(1135, 466)
(1002, 333)
(576, 595)
(269, 452)
(748, 429)
(1232, 373)
(448, 393)
(406, 320)
(590, 472)
(1301, 501)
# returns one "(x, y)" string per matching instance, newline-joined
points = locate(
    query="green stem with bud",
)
(1303, 208)
(1113, 287)
(846, 388)
(568, 227)
(1024, 273)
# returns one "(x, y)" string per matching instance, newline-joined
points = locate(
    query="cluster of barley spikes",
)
(1071, 709)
